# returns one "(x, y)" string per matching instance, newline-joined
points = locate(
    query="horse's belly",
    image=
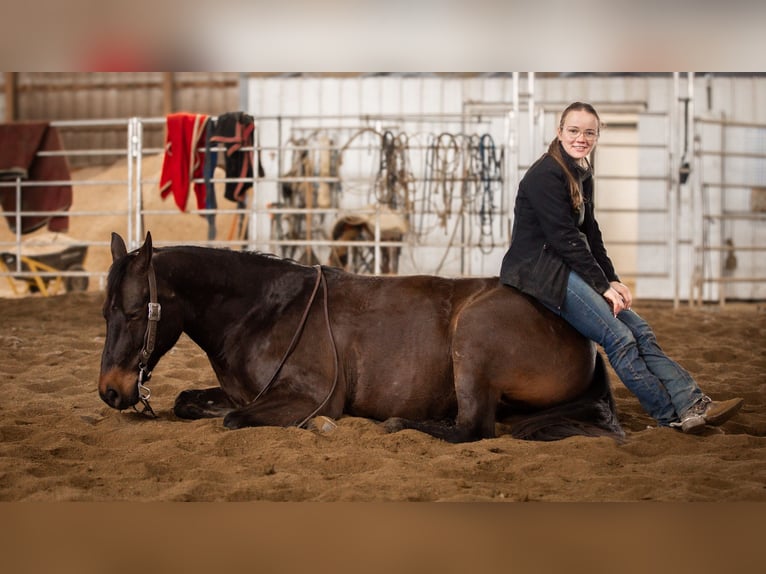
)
(546, 390)
(420, 390)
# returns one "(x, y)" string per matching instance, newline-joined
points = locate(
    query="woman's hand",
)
(624, 292)
(615, 300)
(619, 297)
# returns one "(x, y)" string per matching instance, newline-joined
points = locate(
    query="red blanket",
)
(185, 134)
(19, 144)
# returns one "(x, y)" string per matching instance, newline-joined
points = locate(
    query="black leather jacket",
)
(550, 238)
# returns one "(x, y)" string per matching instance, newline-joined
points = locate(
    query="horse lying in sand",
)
(288, 342)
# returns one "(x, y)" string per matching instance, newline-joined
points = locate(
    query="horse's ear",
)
(144, 256)
(118, 247)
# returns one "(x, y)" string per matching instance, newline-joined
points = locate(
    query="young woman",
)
(557, 256)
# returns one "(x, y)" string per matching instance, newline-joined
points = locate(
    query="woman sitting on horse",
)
(557, 256)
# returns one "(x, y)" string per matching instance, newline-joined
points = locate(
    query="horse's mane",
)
(218, 257)
(226, 252)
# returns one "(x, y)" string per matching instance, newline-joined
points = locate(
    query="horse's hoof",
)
(394, 424)
(188, 411)
(322, 424)
(234, 421)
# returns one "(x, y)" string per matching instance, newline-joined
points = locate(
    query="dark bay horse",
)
(287, 342)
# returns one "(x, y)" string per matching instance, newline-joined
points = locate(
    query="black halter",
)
(144, 374)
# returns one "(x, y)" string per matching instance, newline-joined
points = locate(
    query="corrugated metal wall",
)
(50, 96)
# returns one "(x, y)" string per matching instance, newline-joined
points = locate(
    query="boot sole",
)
(693, 426)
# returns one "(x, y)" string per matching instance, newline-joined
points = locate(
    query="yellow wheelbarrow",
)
(43, 272)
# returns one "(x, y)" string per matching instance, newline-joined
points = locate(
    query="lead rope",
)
(334, 352)
(296, 337)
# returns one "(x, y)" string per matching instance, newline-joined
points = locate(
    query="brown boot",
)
(718, 412)
(706, 411)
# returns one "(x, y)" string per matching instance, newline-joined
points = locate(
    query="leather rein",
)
(150, 336)
(296, 337)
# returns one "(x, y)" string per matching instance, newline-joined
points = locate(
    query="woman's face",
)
(579, 133)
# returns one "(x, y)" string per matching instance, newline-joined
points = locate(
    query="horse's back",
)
(521, 349)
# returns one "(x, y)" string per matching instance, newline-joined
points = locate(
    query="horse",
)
(450, 357)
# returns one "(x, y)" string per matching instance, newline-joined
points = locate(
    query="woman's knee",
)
(618, 336)
(641, 330)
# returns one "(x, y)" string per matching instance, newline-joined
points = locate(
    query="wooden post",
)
(167, 93)
(10, 96)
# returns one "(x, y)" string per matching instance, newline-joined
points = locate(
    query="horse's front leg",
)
(284, 407)
(202, 403)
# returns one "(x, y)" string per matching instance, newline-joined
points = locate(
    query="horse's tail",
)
(592, 414)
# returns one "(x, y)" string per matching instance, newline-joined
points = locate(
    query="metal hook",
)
(144, 392)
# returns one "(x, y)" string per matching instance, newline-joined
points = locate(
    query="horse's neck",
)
(217, 289)
(201, 284)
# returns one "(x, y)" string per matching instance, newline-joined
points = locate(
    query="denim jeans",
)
(664, 388)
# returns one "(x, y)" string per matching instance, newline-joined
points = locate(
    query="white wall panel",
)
(350, 97)
(432, 95)
(412, 97)
(390, 96)
(742, 99)
(331, 101)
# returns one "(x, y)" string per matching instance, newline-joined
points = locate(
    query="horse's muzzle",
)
(110, 397)
(118, 389)
(116, 400)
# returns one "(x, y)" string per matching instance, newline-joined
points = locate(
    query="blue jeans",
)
(664, 388)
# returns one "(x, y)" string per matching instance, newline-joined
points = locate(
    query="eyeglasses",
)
(574, 133)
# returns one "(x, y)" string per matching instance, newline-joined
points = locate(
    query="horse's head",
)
(135, 336)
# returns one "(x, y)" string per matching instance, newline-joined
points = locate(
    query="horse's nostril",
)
(111, 397)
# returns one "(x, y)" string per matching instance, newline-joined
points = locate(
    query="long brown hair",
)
(554, 150)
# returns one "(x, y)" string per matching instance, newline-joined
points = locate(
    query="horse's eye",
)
(135, 315)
